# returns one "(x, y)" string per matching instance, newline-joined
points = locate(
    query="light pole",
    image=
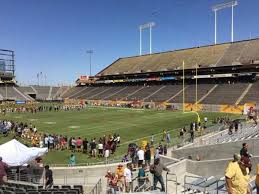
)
(218, 7)
(149, 25)
(90, 52)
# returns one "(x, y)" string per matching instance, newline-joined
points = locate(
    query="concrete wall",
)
(85, 175)
(168, 160)
(217, 151)
(214, 167)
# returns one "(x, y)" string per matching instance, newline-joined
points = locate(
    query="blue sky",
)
(52, 36)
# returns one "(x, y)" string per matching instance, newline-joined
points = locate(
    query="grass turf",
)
(131, 124)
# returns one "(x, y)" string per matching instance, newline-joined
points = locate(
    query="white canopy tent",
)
(15, 153)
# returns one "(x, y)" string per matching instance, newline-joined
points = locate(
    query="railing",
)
(109, 161)
(204, 184)
(30, 178)
(97, 188)
(173, 178)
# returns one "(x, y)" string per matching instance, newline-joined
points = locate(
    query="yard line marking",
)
(74, 127)
(50, 123)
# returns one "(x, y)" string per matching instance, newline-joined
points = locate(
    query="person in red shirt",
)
(79, 144)
(3, 175)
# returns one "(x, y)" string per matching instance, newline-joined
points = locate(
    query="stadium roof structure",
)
(241, 53)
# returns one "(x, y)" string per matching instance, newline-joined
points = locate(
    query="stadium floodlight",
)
(149, 25)
(221, 6)
(90, 52)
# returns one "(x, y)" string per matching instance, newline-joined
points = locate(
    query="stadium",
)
(190, 110)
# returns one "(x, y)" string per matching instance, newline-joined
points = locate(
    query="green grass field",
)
(132, 125)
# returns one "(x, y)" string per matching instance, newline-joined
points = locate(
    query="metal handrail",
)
(172, 180)
(31, 178)
(97, 188)
(188, 176)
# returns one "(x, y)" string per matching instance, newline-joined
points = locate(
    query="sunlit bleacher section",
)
(204, 56)
(248, 131)
(227, 54)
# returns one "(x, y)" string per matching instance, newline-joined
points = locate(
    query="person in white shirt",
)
(46, 141)
(34, 129)
(100, 149)
(157, 153)
(206, 119)
(128, 178)
(140, 155)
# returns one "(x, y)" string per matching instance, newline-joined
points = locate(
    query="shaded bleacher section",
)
(225, 94)
(24, 188)
(71, 92)
(13, 93)
(211, 93)
(237, 53)
(190, 93)
(124, 94)
(41, 92)
(167, 92)
(252, 95)
(144, 92)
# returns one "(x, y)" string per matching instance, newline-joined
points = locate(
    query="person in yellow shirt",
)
(257, 179)
(120, 176)
(237, 176)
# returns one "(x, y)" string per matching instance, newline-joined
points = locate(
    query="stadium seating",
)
(144, 92)
(26, 89)
(165, 93)
(250, 54)
(42, 92)
(92, 92)
(248, 131)
(53, 93)
(13, 94)
(80, 91)
(227, 54)
(108, 91)
(211, 185)
(123, 94)
(225, 94)
(72, 91)
(232, 54)
(60, 92)
(210, 93)
(252, 95)
(190, 93)
(20, 188)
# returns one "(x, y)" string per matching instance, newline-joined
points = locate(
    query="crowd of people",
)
(96, 147)
(34, 108)
(122, 179)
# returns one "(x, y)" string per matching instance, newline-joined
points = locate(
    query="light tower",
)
(218, 7)
(149, 25)
(90, 52)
